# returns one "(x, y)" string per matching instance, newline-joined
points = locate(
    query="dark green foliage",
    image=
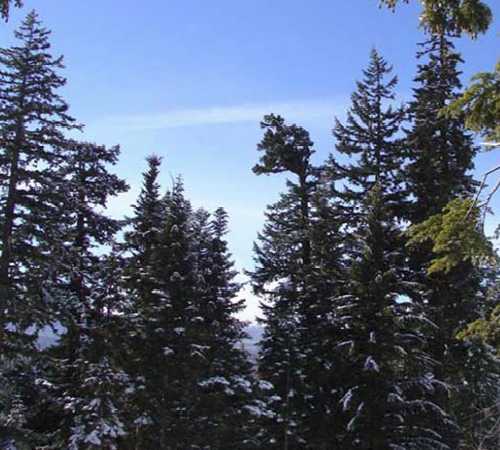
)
(324, 369)
(379, 289)
(441, 153)
(469, 16)
(439, 148)
(283, 258)
(89, 186)
(32, 122)
(149, 301)
(383, 336)
(225, 407)
(87, 302)
(370, 135)
(90, 385)
(33, 119)
(198, 389)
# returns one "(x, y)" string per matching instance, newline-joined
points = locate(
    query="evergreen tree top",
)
(89, 162)
(220, 223)
(439, 72)
(369, 121)
(440, 149)
(285, 148)
(373, 84)
(370, 133)
(29, 81)
(149, 196)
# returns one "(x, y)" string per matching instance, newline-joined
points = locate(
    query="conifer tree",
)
(383, 336)
(94, 391)
(226, 407)
(199, 393)
(33, 120)
(141, 242)
(82, 226)
(370, 135)
(325, 370)
(440, 149)
(148, 215)
(148, 303)
(86, 301)
(283, 258)
(440, 153)
(174, 308)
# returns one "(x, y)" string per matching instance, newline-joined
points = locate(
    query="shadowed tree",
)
(283, 258)
(33, 120)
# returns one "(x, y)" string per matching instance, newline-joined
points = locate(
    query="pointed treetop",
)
(374, 77)
(33, 33)
(30, 65)
(220, 222)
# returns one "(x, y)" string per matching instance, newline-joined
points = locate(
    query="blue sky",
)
(189, 80)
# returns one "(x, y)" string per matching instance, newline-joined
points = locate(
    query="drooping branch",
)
(456, 16)
(5, 7)
(481, 189)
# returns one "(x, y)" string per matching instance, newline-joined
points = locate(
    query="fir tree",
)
(148, 215)
(173, 335)
(370, 135)
(150, 305)
(88, 186)
(440, 150)
(33, 120)
(283, 258)
(325, 370)
(142, 240)
(32, 125)
(199, 394)
(383, 335)
(86, 297)
(226, 408)
(440, 153)
(94, 391)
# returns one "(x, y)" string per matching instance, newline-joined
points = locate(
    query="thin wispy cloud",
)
(295, 110)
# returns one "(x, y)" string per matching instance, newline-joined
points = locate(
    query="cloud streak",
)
(295, 110)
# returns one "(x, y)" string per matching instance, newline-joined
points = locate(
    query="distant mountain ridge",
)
(251, 344)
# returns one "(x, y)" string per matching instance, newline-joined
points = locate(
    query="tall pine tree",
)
(33, 120)
(149, 302)
(440, 153)
(283, 259)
